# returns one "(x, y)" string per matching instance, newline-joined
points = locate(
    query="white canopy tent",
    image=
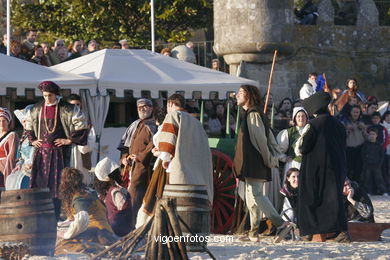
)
(143, 70)
(22, 75)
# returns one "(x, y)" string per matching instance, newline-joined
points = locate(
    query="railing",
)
(203, 51)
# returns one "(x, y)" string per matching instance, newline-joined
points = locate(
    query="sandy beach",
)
(266, 249)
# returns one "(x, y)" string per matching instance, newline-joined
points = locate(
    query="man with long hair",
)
(256, 153)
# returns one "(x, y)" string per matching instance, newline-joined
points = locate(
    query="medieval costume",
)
(137, 140)
(49, 122)
(184, 143)
(20, 177)
(290, 194)
(8, 146)
(253, 161)
(287, 140)
(362, 211)
(81, 156)
(89, 231)
(116, 198)
(323, 170)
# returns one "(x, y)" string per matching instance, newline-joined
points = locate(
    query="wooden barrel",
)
(28, 216)
(193, 206)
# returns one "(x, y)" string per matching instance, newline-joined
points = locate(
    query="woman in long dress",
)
(86, 229)
(20, 176)
(8, 145)
(287, 140)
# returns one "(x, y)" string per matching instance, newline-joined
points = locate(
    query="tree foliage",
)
(107, 20)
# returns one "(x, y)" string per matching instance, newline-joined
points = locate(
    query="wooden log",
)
(169, 208)
(137, 239)
(201, 243)
(366, 231)
(173, 249)
(118, 243)
(149, 243)
(164, 232)
(156, 230)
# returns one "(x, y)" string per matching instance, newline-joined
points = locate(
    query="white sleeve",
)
(298, 144)
(79, 120)
(118, 198)
(283, 141)
(78, 225)
(165, 157)
(90, 143)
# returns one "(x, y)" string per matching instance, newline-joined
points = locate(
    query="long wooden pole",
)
(270, 81)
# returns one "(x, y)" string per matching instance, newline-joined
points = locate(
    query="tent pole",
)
(8, 26)
(152, 22)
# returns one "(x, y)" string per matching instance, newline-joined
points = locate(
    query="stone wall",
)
(338, 51)
(361, 51)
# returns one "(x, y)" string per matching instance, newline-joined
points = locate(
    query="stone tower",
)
(248, 32)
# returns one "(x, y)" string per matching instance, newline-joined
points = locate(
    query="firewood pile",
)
(164, 223)
(13, 251)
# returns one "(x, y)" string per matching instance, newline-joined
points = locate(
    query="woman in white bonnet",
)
(20, 176)
(115, 197)
(288, 137)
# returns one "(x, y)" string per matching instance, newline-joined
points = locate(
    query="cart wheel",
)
(224, 188)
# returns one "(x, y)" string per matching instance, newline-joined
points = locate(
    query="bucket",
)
(27, 216)
(193, 206)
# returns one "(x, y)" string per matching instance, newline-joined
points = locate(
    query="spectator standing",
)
(124, 44)
(15, 50)
(166, 52)
(92, 46)
(372, 107)
(75, 51)
(386, 163)
(372, 157)
(3, 44)
(309, 88)
(29, 43)
(215, 64)
(217, 122)
(356, 135)
(37, 58)
(351, 90)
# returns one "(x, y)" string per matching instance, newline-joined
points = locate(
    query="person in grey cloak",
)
(320, 208)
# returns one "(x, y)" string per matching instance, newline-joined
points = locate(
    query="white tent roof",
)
(20, 74)
(143, 70)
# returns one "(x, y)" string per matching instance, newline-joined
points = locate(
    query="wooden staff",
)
(326, 87)
(270, 81)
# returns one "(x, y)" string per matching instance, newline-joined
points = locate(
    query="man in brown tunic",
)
(136, 153)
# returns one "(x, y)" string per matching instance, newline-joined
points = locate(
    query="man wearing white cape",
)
(184, 147)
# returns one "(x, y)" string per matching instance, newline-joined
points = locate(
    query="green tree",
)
(108, 20)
